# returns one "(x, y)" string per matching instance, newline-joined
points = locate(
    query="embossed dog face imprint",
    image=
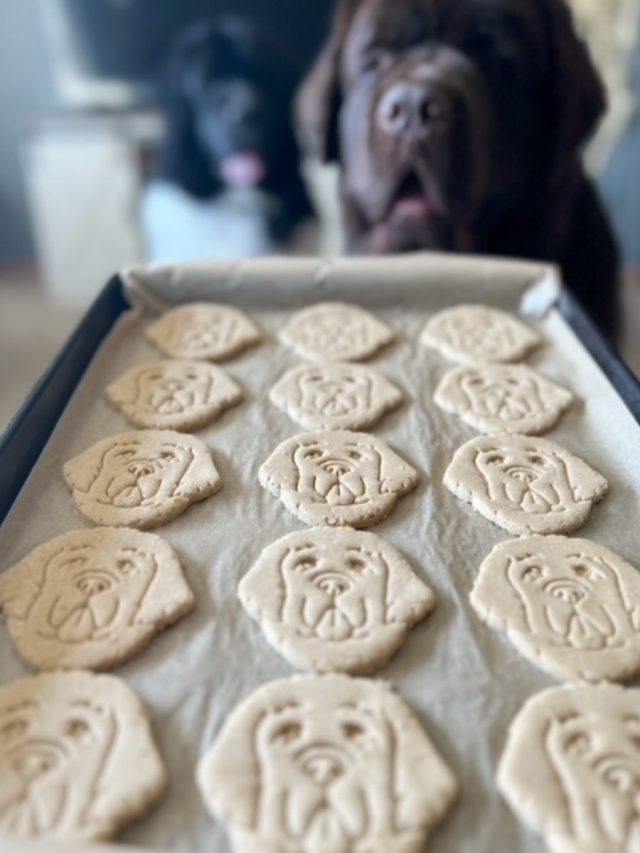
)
(335, 396)
(571, 767)
(202, 330)
(325, 763)
(474, 333)
(178, 395)
(339, 600)
(90, 599)
(525, 485)
(569, 605)
(142, 478)
(499, 398)
(335, 331)
(66, 746)
(337, 478)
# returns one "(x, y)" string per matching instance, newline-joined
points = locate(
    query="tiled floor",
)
(32, 330)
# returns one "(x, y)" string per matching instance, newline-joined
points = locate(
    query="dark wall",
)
(128, 39)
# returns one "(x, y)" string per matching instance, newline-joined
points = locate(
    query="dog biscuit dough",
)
(334, 600)
(473, 334)
(325, 764)
(181, 395)
(142, 478)
(502, 398)
(337, 478)
(571, 768)
(525, 485)
(91, 599)
(335, 396)
(335, 331)
(569, 605)
(203, 331)
(77, 758)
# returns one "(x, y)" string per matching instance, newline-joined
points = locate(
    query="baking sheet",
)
(464, 681)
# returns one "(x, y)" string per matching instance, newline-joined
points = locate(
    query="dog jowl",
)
(459, 126)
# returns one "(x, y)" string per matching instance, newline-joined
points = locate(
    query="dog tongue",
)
(245, 169)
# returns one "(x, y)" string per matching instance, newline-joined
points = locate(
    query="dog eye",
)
(76, 729)
(287, 732)
(313, 453)
(536, 460)
(356, 564)
(494, 458)
(353, 454)
(352, 730)
(532, 573)
(578, 744)
(13, 729)
(375, 60)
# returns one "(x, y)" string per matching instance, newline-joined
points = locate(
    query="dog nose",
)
(410, 109)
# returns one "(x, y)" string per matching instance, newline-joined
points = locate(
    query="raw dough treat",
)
(335, 396)
(141, 479)
(325, 764)
(473, 333)
(498, 398)
(182, 395)
(525, 485)
(202, 330)
(571, 768)
(334, 600)
(335, 331)
(569, 605)
(77, 758)
(91, 599)
(337, 478)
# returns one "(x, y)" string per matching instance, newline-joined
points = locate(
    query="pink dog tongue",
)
(243, 170)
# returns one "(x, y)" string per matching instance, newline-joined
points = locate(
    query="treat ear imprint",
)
(91, 599)
(77, 758)
(337, 478)
(202, 330)
(497, 398)
(180, 395)
(334, 600)
(525, 485)
(325, 763)
(335, 396)
(335, 331)
(474, 333)
(142, 478)
(571, 768)
(568, 605)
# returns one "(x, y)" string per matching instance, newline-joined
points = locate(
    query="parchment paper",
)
(463, 680)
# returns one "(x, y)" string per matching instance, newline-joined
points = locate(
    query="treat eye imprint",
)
(287, 733)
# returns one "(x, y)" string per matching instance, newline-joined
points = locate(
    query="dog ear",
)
(317, 101)
(578, 95)
(586, 484)
(19, 588)
(82, 471)
(182, 160)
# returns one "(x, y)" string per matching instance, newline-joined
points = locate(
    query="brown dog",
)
(458, 126)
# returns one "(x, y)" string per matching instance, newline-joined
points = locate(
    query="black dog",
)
(229, 120)
(458, 125)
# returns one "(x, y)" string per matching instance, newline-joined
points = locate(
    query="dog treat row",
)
(332, 599)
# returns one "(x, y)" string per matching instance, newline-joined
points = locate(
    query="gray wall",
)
(26, 87)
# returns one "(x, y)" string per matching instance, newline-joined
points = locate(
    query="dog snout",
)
(409, 109)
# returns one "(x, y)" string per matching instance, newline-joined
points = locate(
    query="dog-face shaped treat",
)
(203, 331)
(335, 331)
(569, 605)
(335, 396)
(571, 768)
(91, 599)
(325, 763)
(525, 485)
(472, 334)
(334, 600)
(181, 395)
(337, 478)
(502, 398)
(77, 758)
(141, 479)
